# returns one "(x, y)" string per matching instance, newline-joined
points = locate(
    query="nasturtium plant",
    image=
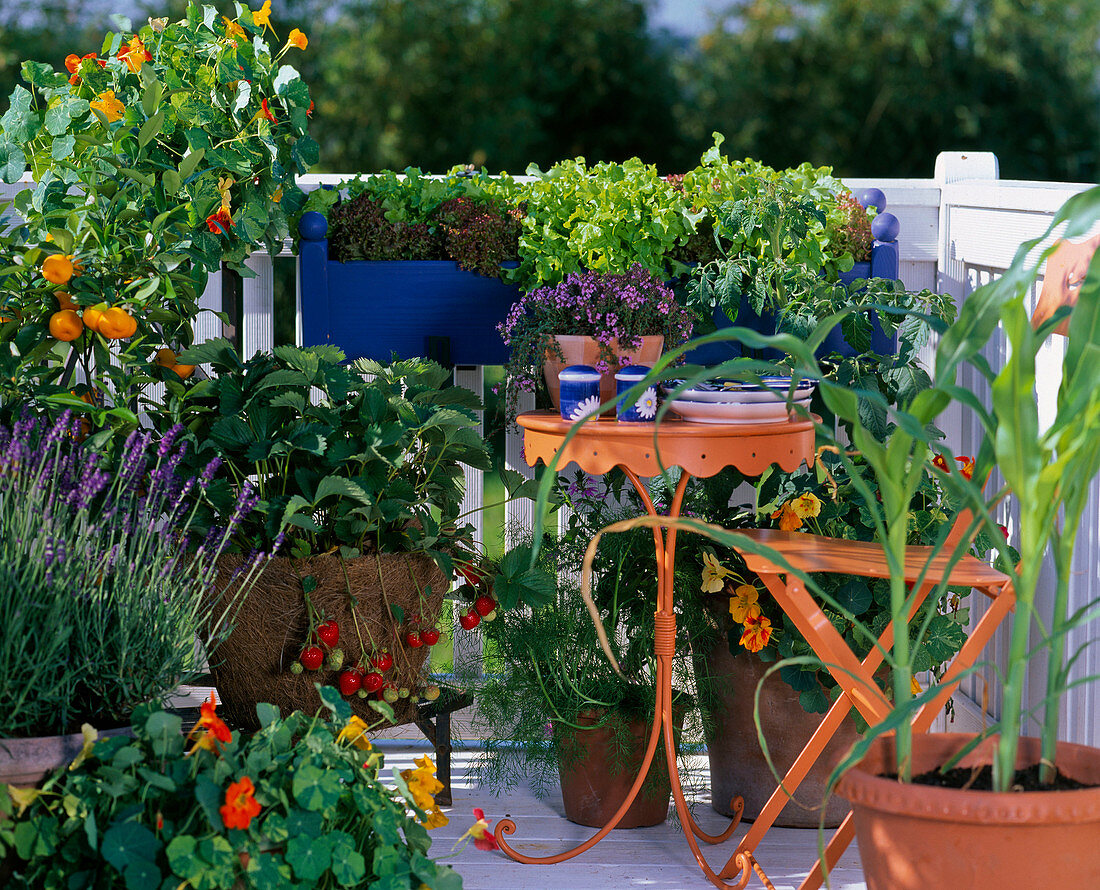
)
(303, 802)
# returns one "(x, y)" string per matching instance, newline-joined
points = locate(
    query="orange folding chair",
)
(1065, 271)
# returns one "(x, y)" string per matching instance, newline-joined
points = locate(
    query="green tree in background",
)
(880, 88)
(871, 89)
(500, 83)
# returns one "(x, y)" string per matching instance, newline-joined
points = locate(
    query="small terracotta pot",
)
(596, 781)
(920, 836)
(737, 763)
(580, 350)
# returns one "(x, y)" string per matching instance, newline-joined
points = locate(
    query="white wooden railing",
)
(958, 229)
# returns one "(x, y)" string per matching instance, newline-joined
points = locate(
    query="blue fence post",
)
(313, 267)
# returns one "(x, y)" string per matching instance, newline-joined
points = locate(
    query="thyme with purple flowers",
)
(616, 309)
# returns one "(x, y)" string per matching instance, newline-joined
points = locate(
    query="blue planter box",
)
(883, 264)
(418, 308)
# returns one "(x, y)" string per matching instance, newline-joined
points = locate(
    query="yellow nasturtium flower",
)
(806, 506)
(298, 39)
(744, 604)
(713, 573)
(233, 30)
(262, 16)
(110, 107)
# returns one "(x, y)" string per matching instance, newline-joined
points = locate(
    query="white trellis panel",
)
(258, 306)
(983, 222)
(468, 644)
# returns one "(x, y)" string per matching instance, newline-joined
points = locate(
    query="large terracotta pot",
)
(580, 350)
(272, 624)
(737, 763)
(26, 762)
(597, 770)
(920, 836)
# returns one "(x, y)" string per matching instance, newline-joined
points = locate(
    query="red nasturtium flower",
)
(482, 837)
(757, 633)
(72, 63)
(240, 807)
(940, 464)
(221, 221)
(267, 111)
(211, 730)
(967, 468)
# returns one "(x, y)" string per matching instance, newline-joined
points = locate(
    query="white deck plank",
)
(657, 857)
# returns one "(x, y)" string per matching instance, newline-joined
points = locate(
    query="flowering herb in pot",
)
(616, 310)
(104, 578)
(303, 802)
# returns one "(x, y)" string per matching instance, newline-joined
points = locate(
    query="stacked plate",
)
(732, 401)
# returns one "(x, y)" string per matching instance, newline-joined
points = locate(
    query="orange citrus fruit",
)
(117, 324)
(93, 315)
(184, 371)
(65, 301)
(57, 268)
(65, 325)
(165, 357)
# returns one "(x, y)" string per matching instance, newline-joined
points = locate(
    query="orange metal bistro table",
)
(699, 449)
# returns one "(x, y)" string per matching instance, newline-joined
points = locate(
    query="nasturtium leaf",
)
(309, 857)
(128, 842)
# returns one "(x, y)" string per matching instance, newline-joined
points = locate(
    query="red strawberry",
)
(350, 681)
(412, 640)
(469, 620)
(373, 681)
(484, 605)
(329, 632)
(430, 636)
(312, 658)
(383, 661)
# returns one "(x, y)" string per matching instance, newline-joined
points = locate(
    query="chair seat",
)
(814, 553)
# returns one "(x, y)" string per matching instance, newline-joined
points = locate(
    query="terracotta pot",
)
(737, 763)
(919, 836)
(596, 775)
(26, 762)
(580, 350)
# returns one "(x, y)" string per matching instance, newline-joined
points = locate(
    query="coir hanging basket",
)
(272, 625)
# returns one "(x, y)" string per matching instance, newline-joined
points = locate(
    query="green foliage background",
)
(871, 89)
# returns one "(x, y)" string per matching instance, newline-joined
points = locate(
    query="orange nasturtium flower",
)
(757, 634)
(211, 729)
(789, 520)
(744, 603)
(967, 468)
(220, 222)
(109, 106)
(298, 39)
(240, 807)
(134, 54)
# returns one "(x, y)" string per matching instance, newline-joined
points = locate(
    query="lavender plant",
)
(616, 309)
(104, 589)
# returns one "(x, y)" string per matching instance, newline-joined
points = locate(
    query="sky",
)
(689, 17)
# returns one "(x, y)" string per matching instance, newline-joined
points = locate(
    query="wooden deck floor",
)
(656, 857)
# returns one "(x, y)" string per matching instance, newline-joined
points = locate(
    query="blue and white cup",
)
(580, 391)
(641, 409)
